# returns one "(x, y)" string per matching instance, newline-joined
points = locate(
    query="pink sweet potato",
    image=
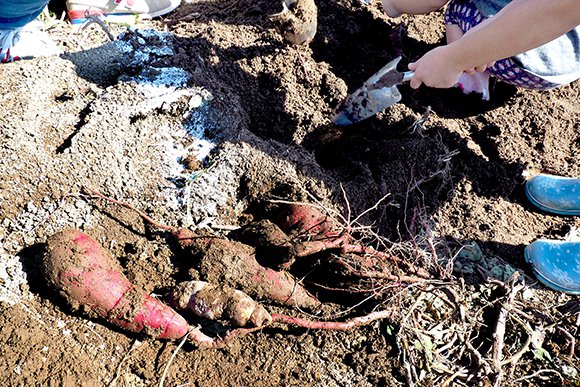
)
(233, 263)
(302, 230)
(300, 218)
(86, 276)
(323, 233)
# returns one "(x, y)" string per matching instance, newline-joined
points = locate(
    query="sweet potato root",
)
(323, 233)
(334, 325)
(213, 302)
(86, 276)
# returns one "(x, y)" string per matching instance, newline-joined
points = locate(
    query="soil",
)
(201, 119)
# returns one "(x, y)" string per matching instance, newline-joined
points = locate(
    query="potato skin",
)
(217, 302)
(300, 219)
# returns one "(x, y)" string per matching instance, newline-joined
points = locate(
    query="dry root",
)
(334, 325)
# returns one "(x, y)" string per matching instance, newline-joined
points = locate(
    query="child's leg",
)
(461, 16)
(117, 11)
(18, 13)
(17, 36)
(395, 8)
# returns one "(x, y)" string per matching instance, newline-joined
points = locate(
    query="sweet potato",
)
(302, 230)
(86, 276)
(219, 302)
(294, 218)
(323, 233)
(274, 248)
(228, 262)
(224, 261)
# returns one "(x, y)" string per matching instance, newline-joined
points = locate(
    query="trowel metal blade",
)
(376, 94)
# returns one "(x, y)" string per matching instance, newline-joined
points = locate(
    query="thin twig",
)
(371, 208)
(378, 274)
(500, 327)
(482, 364)
(538, 373)
(347, 203)
(570, 337)
(133, 208)
(458, 373)
(96, 19)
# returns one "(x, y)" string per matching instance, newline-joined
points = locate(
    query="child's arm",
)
(519, 27)
(453, 32)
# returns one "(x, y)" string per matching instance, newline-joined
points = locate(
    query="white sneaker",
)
(118, 10)
(25, 43)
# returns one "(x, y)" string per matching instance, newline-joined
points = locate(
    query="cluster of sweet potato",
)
(91, 280)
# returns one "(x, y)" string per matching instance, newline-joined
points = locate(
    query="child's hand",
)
(435, 69)
(439, 69)
(453, 32)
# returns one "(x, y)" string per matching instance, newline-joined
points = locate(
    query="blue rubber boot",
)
(556, 264)
(555, 194)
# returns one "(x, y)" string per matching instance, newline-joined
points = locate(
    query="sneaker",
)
(118, 11)
(25, 43)
(556, 264)
(555, 194)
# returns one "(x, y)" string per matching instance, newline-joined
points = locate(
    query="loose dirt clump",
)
(203, 121)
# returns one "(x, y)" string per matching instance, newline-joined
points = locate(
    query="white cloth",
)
(557, 61)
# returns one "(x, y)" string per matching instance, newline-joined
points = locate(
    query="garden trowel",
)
(376, 94)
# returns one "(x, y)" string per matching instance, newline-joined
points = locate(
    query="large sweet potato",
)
(223, 261)
(89, 280)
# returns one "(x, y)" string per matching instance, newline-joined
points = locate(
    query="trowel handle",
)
(407, 75)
